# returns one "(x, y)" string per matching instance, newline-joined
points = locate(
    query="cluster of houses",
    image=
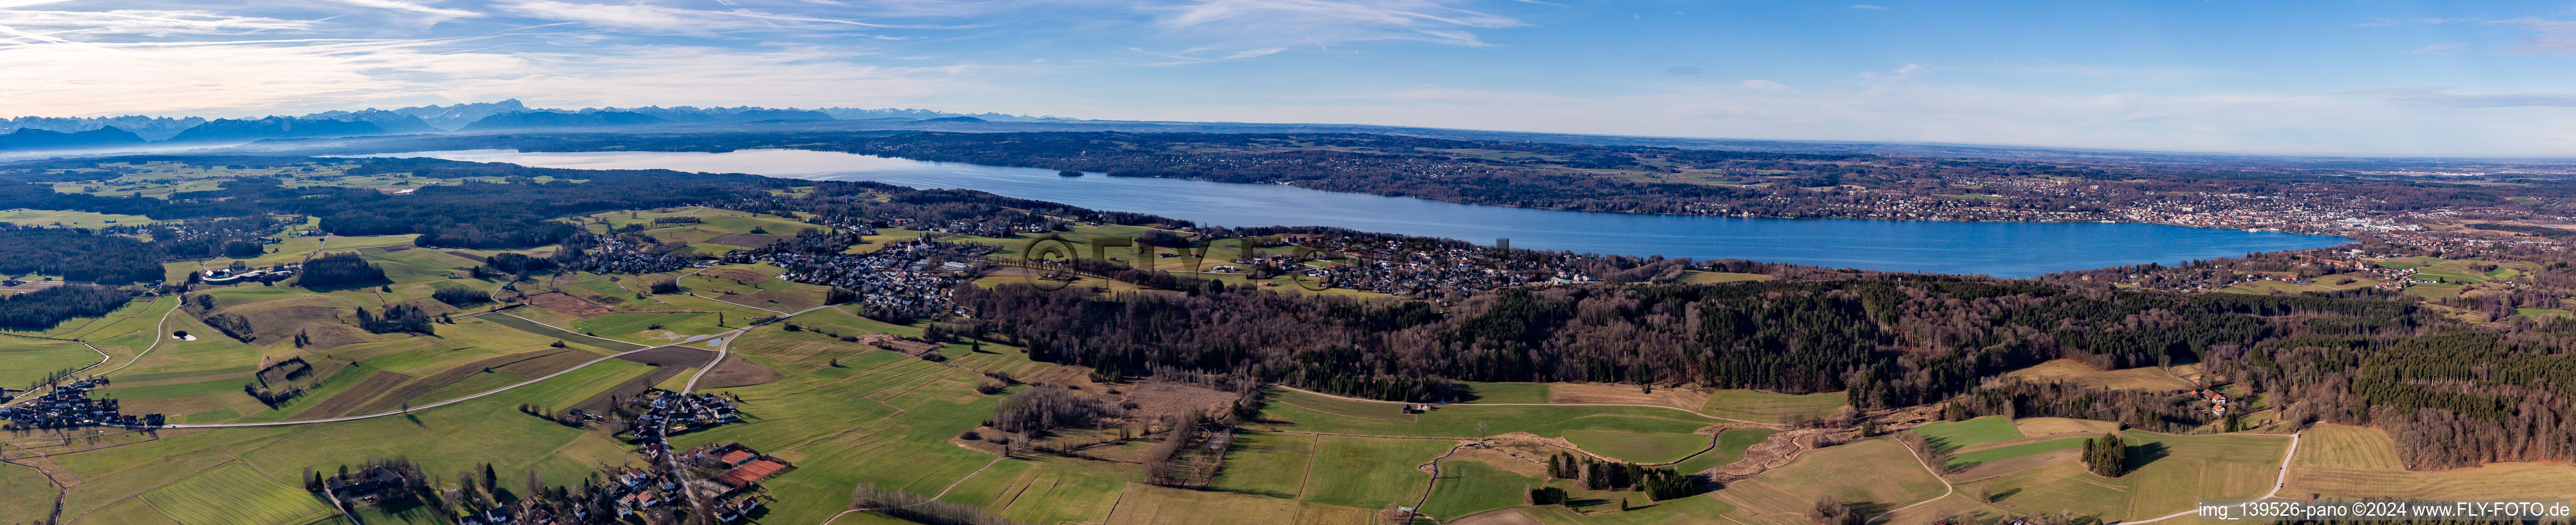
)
(1392, 267)
(68, 406)
(667, 412)
(893, 278)
(618, 254)
(733, 492)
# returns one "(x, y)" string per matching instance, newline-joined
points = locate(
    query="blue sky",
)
(2375, 78)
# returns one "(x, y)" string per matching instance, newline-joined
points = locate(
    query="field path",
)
(692, 381)
(1946, 488)
(726, 346)
(532, 326)
(2278, 481)
(1666, 407)
(103, 358)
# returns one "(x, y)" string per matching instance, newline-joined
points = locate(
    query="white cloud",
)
(245, 78)
(145, 22)
(697, 22)
(1328, 22)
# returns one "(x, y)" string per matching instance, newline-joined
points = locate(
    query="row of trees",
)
(1659, 483)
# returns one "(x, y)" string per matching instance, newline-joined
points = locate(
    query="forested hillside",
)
(1891, 343)
(471, 215)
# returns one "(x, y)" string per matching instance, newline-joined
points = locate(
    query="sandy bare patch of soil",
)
(1160, 401)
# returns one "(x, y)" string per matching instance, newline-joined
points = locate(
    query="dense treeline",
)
(42, 309)
(77, 255)
(1888, 342)
(511, 214)
(2449, 399)
(2152, 410)
(335, 269)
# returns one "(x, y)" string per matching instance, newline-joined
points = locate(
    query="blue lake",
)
(2001, 249)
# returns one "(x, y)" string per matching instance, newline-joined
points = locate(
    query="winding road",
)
(103, 357)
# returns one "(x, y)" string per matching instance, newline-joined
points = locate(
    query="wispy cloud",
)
(435, 12)
(152, 23)
(1272, 23)
(2442, 97)
(696, 22)
(2452, 48)
(240, 78)
(2544, 37)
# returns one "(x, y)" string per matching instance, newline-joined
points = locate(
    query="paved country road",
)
(720, 355)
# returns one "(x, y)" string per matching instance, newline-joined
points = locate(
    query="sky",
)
(2343, 78)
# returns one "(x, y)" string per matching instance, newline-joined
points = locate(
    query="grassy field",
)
(2076, 372)
(1766, 407)
(1973, 432)
(1875, 475)
(30, 360)
(1267, 464)
(1469, 487)
(1506, 392)
(234, 495)
(2408, 263)
(2169, 473)
(1638, 447)
(1371, 472)
(1142, 504)
(24, 491)
(1989, 454)
(1460, 421)
(70, 219)
(2345, 461)
(2435, 291)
